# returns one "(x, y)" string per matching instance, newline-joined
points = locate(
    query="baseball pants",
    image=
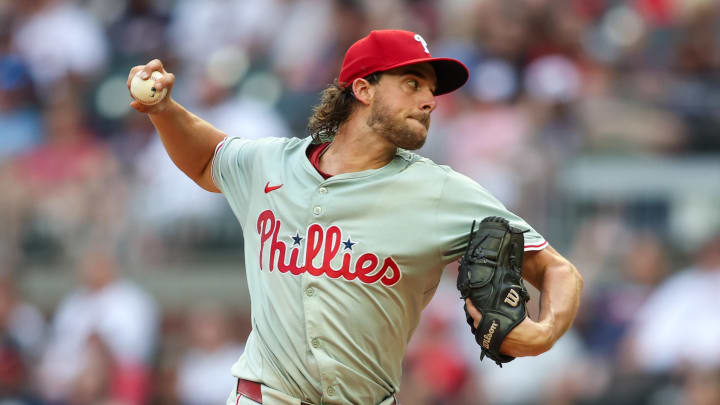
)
(275, 397)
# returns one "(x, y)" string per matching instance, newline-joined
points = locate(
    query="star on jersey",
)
(349, 244)
(297, 238)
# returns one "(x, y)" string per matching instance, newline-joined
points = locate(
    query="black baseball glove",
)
(490, 275)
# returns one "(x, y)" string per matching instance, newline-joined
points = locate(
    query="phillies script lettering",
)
(367, 268)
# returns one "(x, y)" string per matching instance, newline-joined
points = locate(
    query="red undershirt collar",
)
(314, 152)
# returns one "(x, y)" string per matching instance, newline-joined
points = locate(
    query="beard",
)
(396, 129)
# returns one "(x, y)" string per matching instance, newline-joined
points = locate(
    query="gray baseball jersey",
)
(339, 270)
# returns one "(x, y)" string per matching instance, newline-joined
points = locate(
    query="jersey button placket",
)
(308, 294)
(317, 209)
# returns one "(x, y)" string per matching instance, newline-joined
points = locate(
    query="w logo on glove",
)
(513, 298)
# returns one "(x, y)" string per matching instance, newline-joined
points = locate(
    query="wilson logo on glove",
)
(488, 336)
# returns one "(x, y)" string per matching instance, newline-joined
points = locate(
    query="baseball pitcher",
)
(347, 232)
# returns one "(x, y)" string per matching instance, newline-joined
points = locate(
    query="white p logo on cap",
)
(422, 41)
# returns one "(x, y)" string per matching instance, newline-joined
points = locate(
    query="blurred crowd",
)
(87, 185)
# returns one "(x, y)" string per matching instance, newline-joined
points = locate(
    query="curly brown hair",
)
(336, 105)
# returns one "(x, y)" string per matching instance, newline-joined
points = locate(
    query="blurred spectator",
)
(614, 124)
(627, 275)
(21, 336)
(135, 134)
(13, 373)
(199, 29)
(328, 28)
(701, 387)
(60, 39)
(65, 191)
(559, 376)
(294, 60)
(139, 34)
(21, 321)
(696, 84)
(107, 323)
(608, 309)
(19, 117)
(503, 29)
(681, 306)
(93, 384)
(490, 143)
(242, 115)
(204, 376)
(595, 246)
(438, 367)
(167, 211)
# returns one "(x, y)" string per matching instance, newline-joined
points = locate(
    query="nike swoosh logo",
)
(269, 188)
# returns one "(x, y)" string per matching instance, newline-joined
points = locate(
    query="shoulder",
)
(436, 175)
(281, 144)
(261, 146)
(265, 142)
(418, 163)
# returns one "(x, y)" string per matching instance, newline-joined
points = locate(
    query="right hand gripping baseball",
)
(166, 81)
(490, 276)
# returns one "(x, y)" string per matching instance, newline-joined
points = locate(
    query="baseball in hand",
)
(144, 90)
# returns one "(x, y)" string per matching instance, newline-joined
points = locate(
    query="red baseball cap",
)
(388, 49)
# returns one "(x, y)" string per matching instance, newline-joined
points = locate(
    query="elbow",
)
(579, 281)
(540, 349)
(572, 276)
(541, 342)
(204, 178)
(574, 283)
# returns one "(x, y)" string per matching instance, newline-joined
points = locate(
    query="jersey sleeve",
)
(462, 200)
(231, 168)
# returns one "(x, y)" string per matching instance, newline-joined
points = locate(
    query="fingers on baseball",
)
(152, 66)
(166, 81)
(145, 71)
(132, 74)
(476, 315)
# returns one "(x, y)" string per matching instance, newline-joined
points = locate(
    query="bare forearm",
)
(559, 300)
(189, 140)
(560, 285)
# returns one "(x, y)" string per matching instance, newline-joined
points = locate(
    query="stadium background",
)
(596, 120)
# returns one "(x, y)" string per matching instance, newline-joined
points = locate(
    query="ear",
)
(363, 91)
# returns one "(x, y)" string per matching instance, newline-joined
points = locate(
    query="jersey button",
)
(322, 190)
(317, 210)
(310, 291)
(315, 342)
(331, 391)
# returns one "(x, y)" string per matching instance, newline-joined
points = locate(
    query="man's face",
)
(401, 107)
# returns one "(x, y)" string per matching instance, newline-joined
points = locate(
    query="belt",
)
(253, 390)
